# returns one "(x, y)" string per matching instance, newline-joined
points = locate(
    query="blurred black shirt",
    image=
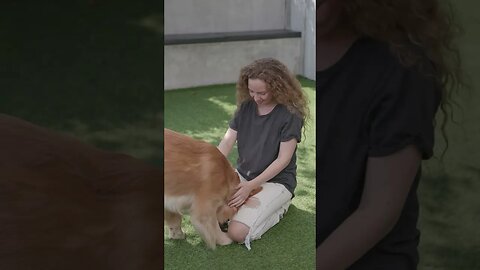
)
(370, 105)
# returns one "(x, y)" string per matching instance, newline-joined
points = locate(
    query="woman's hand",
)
(244, 190)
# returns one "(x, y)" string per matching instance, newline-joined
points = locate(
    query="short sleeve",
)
(292, 128)
(233, 124)
(403, 112)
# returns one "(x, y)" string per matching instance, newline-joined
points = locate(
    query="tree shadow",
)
(199, 110)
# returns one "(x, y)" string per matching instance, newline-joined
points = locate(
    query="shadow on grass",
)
(198, 111)
(288, 245)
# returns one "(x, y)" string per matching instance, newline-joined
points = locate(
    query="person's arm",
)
(284, 156)
(387, 183)
(227, 142)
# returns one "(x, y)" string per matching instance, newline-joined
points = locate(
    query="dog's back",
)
(194, 167)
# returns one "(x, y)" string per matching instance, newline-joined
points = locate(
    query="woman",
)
(383, 68)
(271, 111)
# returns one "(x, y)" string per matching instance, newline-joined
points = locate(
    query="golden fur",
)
(199, 180)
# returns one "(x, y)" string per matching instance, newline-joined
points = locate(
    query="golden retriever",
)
(199, 180)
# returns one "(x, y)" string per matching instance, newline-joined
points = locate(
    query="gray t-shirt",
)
(258, 141)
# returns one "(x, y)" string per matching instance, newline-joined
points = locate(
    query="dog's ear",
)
(237, 177)
(234, 183)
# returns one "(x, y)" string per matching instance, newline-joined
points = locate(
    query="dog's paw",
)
(224, 240)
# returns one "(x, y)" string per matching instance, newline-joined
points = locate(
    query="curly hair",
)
(283, 84)
(406, 26)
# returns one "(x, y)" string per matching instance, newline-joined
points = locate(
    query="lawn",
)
(203, 113)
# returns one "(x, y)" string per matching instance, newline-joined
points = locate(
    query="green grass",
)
(448, 192)
(89, 70)
(203, 113)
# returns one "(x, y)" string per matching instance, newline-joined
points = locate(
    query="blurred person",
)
(383, 70)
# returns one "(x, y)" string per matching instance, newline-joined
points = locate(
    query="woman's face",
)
(328, 16)
(259, 92)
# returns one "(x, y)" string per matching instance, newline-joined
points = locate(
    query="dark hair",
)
(406, 25)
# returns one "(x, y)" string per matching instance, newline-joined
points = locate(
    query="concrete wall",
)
(301, 17)
(213, 16)
(191, 65)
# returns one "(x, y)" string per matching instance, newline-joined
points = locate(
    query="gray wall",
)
(213, 16)
(301, 17)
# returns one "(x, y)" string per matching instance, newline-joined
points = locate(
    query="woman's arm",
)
(227, 142)
(284, 156)
(387, 183)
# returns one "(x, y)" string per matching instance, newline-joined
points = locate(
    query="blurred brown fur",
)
(67, 205)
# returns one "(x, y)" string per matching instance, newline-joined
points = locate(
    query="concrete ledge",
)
(178, 39)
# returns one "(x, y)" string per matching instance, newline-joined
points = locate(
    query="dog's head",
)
(225, 213)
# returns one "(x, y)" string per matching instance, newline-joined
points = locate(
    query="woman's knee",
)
(237, 231)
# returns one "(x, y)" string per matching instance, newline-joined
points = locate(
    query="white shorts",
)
(263, 210)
